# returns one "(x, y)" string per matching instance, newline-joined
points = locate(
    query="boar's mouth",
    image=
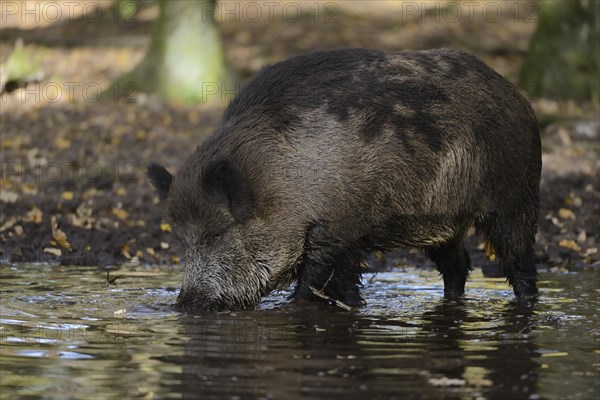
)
(190, 301)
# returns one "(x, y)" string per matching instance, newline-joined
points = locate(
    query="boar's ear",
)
(222, 177)
(160, 178)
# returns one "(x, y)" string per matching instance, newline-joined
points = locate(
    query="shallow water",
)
(59, 337)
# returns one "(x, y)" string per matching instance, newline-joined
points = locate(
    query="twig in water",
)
(321, 294)
(373, 277)
(327, 281)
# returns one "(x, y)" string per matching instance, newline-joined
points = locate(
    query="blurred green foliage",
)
(564, 56)
(184, 62)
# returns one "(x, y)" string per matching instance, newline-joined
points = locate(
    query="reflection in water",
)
(513, 366)
(503, 366)
(286, 354)
(408, 342)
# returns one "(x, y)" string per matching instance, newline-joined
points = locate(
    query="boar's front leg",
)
(453, 262)
(329, 266)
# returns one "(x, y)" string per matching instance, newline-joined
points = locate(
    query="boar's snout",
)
(211, 285)
(190, 300)
(201, 292)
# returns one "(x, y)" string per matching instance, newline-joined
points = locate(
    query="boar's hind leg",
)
(513, 236)
(329, 268)
(453, 262)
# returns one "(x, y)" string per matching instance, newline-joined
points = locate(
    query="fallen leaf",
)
(59, 236)
(573, 200)
(133, 261)
(83, 217)
(120, 213)
(6, 196)
(53, 251)
(68, 196)
(490, 253)
(122, 313)
(125, 251)
(8, 224)
(175, 260)
(62, 143)
(565, 213)
(591, 251)
(34, 215)
(164, 245)
(166, 227)
(569, 244)
(29, 189)
(556, 222)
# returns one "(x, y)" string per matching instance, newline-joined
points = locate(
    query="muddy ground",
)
(73, 186)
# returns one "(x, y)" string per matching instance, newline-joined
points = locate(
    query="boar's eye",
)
(211, 238)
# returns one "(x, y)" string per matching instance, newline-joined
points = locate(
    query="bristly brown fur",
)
(326, 157)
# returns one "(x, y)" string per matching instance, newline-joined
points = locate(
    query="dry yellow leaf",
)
(68, 196)
(573, 200)
(62, 143)
(92, 192)
(569, 244)
(53, 251)
(150, 251)
(121, 191)
(166, 227)
(164, 245)
(490, 253)
(29, 189)
(120, 213)
(8, 224)
(565, 213)
(59, 236)
(34, 215)
(125, 251)
(175, 260)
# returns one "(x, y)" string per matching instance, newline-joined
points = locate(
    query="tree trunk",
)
(564, 55)
(184, 62)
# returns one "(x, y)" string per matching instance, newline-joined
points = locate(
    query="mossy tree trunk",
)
(564, 55)
(184, 62)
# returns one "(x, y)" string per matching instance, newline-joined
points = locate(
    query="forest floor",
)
(73, 189)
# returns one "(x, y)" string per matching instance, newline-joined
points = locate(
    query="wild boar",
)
(326, 157)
